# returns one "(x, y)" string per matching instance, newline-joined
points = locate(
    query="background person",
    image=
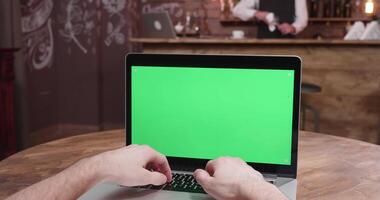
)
(292, 16)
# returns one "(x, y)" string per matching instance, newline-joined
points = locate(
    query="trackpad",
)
(113, 191)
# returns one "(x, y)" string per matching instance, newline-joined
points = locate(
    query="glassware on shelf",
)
(347, 9)
(313, 8)
(191, 24)
(327, 8)
(358, 8)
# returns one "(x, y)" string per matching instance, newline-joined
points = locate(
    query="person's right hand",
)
(286, 29)
(262, 16)
(229, 178)
(133, 165)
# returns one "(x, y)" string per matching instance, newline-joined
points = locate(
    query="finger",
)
(203, 178)
(160, 161)
(210, 167)
(131, 145)
(165, 169)
(163, 166)
(283, 31)
(279, 27)
(154, 178)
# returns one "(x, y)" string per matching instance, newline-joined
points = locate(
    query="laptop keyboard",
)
(180, 182)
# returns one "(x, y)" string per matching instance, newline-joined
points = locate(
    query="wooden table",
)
(330, 167)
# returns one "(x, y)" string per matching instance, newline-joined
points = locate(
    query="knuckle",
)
(222, 158)
(211, 163)
(146, 147)
(225, 159)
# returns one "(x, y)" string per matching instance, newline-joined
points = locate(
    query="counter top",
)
(254, 41)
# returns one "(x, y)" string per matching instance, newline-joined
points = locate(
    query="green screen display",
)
(210, 112)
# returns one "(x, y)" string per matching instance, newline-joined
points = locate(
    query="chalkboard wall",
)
(73, 61)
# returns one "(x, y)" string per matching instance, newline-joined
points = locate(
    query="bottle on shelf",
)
(337, 8)
(326, 5)
(313, 8)
(347, 9)
(358, 6)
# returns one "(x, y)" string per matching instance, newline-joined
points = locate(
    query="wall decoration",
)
(116, 21)
(37, 31)
(132, 28)
(175, 9)
(78, 18)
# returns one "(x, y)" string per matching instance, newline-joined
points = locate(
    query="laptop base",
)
(116, 192)
(102, 191)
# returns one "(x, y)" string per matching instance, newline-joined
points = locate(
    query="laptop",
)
(157, 25)
(194, 108)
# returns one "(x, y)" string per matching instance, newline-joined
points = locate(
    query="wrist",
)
(261, 190)
(93, 168)
(269, 191)
(294, 30)
(258, 15)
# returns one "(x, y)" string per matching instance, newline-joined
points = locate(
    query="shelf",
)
(323, 19)
(232, 21)
(253, 41)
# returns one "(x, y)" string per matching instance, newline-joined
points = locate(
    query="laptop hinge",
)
(270, 176)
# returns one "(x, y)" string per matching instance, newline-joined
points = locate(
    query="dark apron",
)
(283, 9)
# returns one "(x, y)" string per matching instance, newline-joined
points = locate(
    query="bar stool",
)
(309, 88)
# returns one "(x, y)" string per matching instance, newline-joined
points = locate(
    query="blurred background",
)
(62, 62)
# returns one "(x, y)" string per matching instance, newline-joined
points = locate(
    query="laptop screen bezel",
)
(221, 61)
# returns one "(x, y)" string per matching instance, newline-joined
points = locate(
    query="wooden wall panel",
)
(345, 82)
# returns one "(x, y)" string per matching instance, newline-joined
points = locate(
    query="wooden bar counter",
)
(347, 71)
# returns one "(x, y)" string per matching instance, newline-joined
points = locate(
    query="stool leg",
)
(316, 120)
(315, 117)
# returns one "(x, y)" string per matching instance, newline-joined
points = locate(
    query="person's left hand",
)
(286, 29)
(133, 165)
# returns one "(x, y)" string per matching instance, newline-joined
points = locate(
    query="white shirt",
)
(245, 10)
